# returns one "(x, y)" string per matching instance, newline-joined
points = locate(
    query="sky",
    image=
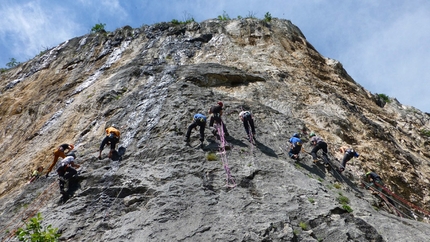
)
(384, 45)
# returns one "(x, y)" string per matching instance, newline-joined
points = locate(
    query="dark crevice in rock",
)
(202, 38)
(370, 233)
(212, 75)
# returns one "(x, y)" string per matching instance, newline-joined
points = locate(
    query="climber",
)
(216, 112)
(248, 121)
(112, 138)
(373, 178)
(349, 153)
(59, 152)
(36, 173)
(66, 171)
(318, 144)
(198, 120)
(295, 146)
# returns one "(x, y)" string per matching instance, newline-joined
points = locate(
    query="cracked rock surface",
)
(149, 82)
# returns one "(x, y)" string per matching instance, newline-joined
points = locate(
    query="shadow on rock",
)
(118, 155)
(317, 169)
(73, 186)
(266, 150)
(237, 142)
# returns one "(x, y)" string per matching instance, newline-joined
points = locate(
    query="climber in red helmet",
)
(216, 112)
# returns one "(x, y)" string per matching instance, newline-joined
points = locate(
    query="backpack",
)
(297, 146)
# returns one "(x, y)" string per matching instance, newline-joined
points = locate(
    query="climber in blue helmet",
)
(295, 146)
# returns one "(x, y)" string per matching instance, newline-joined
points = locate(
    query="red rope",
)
(403, 200)
(383, 197)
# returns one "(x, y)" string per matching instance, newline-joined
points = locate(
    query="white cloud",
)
(393, 60)
(29, 28)
(384, 45)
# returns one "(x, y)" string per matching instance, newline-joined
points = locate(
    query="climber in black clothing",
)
(349, 153)
(248, 122)
(66, 171)
(198, 120)
(318, 144)
(216, 112)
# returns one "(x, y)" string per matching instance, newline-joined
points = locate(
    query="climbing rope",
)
(404, 201)
(395, 202)
(230, 182)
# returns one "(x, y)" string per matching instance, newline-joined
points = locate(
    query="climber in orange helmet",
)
(112, 138)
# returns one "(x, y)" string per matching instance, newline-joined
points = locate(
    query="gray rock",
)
(150, 82)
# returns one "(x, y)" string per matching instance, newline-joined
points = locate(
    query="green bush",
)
(347, 208)
(33, 231)
(343, 200)
(303, 225)
(267, 17)
(425, 132)
(224, 16)
(384, 97)
(175, 22)
(12, 63)
(98, 28)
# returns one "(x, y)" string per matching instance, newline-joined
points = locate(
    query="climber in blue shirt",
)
(295, 146)
(198, 120)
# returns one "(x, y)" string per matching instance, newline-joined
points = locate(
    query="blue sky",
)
(384, 45)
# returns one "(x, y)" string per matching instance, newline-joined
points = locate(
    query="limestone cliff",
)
(150, 81)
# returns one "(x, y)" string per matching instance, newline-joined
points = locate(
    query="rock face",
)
(150, 82)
